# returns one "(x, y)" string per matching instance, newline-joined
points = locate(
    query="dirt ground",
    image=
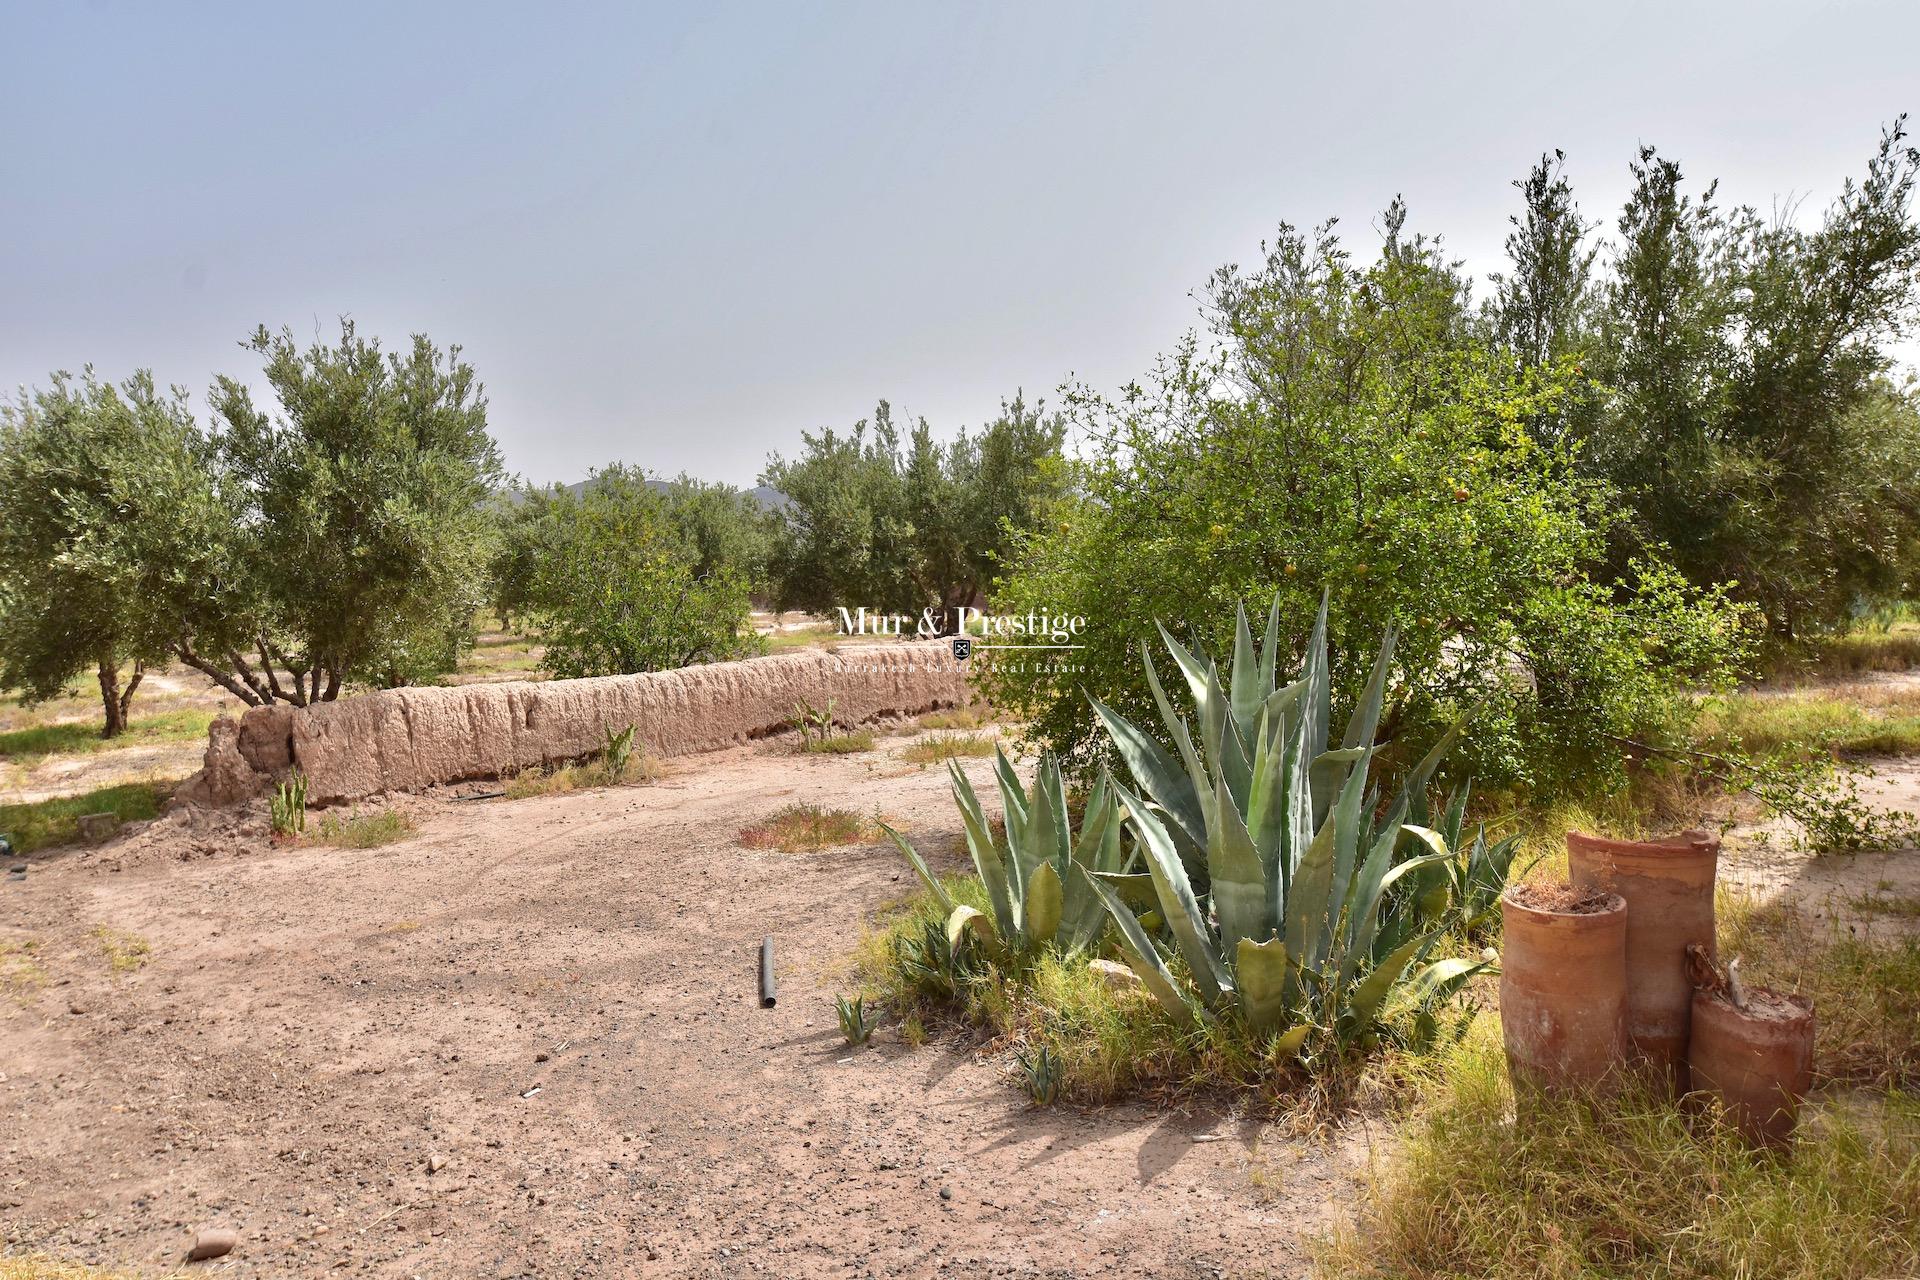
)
(527, 1042)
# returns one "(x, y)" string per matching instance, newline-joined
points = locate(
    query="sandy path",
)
(315, 1025)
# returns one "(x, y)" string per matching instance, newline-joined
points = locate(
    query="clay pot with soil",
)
(1752, 1049)
(1668, 887)
(1563, 986)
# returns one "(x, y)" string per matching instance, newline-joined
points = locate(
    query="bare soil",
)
(527, 1041)
(1562, 899)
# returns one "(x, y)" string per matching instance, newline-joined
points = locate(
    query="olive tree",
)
(109, 524)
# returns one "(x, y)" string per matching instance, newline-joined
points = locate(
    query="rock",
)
(435, 1163)
(1117, 976)
(98, 828)
(212, 1242)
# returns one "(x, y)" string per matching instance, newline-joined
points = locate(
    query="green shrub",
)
(1350, 430)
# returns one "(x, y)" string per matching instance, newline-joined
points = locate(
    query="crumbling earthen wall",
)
(410, 739)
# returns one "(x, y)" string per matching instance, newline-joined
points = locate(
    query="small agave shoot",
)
(1280, 886)
(1040, 1073)
(1036, 894)
(288, 805)
(856, 1024)
(619, 753)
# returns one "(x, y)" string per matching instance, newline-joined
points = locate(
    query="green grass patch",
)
(46, 823)
(124, 952)
(948, 746)
(367, 831)
(31, 745)
(1850, 720)
(1864, 651)
(839, 744)
(806, 828)
(1634, 1188)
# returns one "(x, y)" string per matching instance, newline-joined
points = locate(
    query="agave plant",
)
(1476, 875)
(1034, 891)
(1279, 885)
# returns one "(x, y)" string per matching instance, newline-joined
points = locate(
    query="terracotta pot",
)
(1668, 885)
(1563, 987)
(1758, 1060)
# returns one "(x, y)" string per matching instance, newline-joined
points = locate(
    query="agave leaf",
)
(1177, 903)
(1283, 707)
(1235, 765)
(987, 862)
(1192, 667)
(1249, 690)
(1141, 953)
(1234, 877)
(1365, 720)
(1414, 785)
(1182, 740)
(919, 864)
(1134, 889)
(1312, 911)
(1152, 769)
(963, 920)
(1289, 1043)
(1260, 975)
(1366, 914)
(1373, 989)
(1040, 911)
(1013, 799)
(1319, 693)
(1270, 650)
(1438, 981)
(1043, 836)
(1349, 825)
(1266, 819)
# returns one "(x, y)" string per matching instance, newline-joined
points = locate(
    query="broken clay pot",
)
(1563, 987)
(1757, 1060)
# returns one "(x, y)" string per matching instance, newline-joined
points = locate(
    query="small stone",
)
(436, 1162)
(212, 1242)
(1116, 976)
(542, 1056)
(946, 1193)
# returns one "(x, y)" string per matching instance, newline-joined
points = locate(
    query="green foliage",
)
(107, 513)
(288, 805)
(359, 518)
(365, 831)
(1312, 921)
(868, 523)
(1037, 879)
(1348, 428)
(614, 585)
(1739, 397)
(855, 1022)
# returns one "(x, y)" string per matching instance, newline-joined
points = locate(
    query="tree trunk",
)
(126, 694)
(109, 673)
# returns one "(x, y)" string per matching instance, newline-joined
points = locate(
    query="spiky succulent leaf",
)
(1040, 912)
(1260, 976)
(1177, 902)
(987, 862)
(1141, 954)
(920, 867)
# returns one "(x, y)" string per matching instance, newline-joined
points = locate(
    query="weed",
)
(947, 746)
(806, 828)
(958, 718)
(1906, 905)
(366, 831)
(630, 766)
(124, 952)
(20, 969)
(817, 731)
(40, 1266)
(46, 823)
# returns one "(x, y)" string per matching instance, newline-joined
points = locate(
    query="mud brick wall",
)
(410, 739)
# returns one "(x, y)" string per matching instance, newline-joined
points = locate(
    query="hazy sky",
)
(678, 235)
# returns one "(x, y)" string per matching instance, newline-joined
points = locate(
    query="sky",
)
(679, 235)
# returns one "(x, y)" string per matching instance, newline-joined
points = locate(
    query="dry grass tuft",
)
(1636, 1188)
(807, 828)
(40, 1266)
(367, 831)
(586, 776)
(947, 746)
